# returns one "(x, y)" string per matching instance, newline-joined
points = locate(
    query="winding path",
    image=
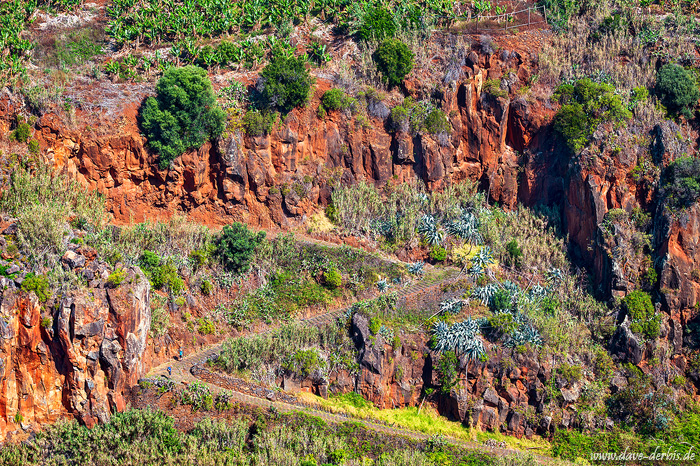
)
(183, 373)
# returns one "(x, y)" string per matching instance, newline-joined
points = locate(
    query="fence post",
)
(529, 10)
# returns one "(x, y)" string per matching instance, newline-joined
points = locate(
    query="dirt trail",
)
(182, 373)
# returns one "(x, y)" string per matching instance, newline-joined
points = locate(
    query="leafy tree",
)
(236, 245)
(285, 83)
(681, 185)
(678, 89)
(585, 105)
(394, 61)
(183, 115)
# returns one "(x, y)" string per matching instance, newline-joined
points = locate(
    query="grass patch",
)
(428, 421)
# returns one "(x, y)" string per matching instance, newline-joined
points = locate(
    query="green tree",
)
(678, 89)
(285, 84)
(585, 105)
(183, 115)
(236, 245)
(394, 61)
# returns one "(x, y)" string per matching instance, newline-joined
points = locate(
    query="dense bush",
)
(678, 89)
(336, 99)
(332, 278)
(640, 309)
(681, 182)
(585, 105)
(161, 273)
(377, 24)
(38, 284)
(284, 84)
(236, 245)
(183, 115)
(394, 61)
(257, 123)
(22, 132)
(436, 122)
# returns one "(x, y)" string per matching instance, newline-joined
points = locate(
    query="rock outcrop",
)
(78, 359)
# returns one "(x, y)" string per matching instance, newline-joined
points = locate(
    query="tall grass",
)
(361, 205)
(44, 201)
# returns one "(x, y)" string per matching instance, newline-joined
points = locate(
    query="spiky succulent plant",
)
(428, 228)
(484, 257)
(460, 337)
(484, 293)
(466, 227)
(524, 334)
(451, 306)
(417, 268)
(382, 285)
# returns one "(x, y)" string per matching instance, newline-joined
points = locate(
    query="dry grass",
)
(620, 54)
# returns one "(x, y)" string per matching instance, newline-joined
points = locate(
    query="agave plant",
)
(428, 228)
(382, 227)
(382, 285)
(484, 293)
(386, 333)
(475, 271)
(484, 257)
(416, 268)
(465, 227)
(554, 277)
(525, 334)
(451, 306)
(461, 337)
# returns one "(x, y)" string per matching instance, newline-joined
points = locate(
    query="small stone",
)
(73, 260)
(14, 268)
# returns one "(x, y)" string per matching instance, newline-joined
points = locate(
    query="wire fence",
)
(524, 18)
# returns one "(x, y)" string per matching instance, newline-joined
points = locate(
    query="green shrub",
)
(399, 118)
(33, 146)
(236, 245)
(571, 374)
(160, 273)
(46, 322)
(206, 326)
(585, 105)
(22, 132)
(375, 323)
(436, 122)
(447, 369)
(116, 278)
(493, 87)
(515, 252)
(38, 284)
(285, 84)
(640, 309)
(501, 300)
(336, 99)
(257, 123)
(206, 287)
(394, 61)
(681, 182)
(332, 278)
(183, 115)
(438, 253)
(377, 23)
(678, 89)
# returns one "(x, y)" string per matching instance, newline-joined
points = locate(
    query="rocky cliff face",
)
(246, 178)
(76, 359)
